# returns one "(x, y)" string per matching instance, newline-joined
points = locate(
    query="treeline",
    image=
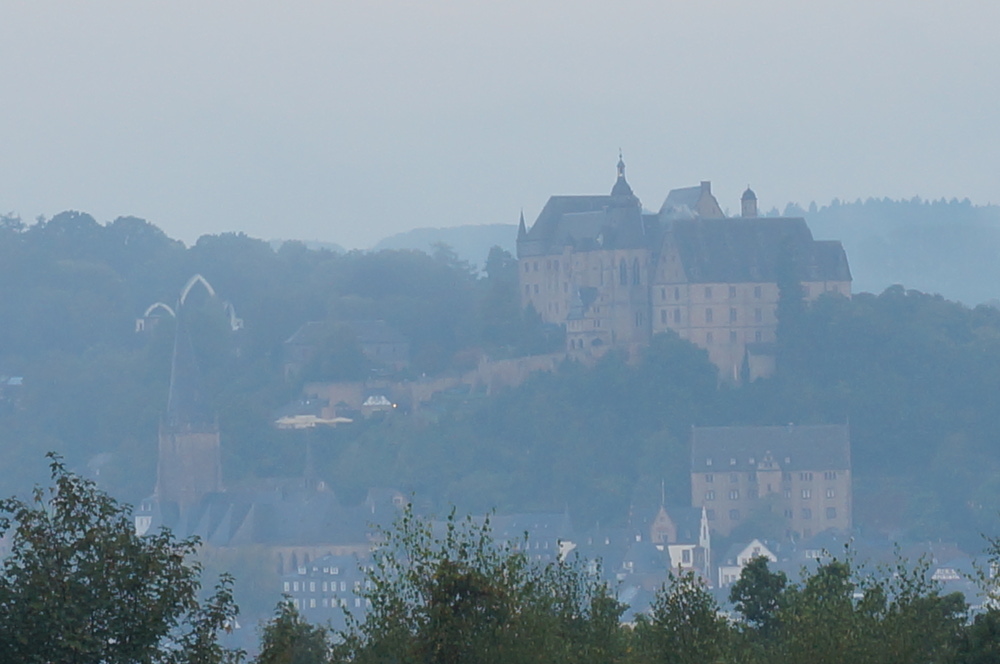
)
(942, 246)
(78, 585)
(461, 598)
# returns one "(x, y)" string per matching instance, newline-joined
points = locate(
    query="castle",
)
(613, 274)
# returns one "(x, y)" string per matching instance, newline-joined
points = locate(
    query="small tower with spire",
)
(621, 188)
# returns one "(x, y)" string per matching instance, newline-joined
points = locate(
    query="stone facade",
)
(800, 473)
(614, 274)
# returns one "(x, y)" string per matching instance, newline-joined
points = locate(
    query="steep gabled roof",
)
(740, 250)
(792, 447)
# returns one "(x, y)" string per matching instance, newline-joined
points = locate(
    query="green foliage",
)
(685, 625)
(756, 596)
(288, 639)
(80, 586)
(465, 598)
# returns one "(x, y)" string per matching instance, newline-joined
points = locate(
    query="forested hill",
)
(915, 375)
(947, 247)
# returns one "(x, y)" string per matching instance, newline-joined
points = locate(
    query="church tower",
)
(189, 465)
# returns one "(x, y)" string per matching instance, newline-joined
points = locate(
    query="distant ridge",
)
(472, 242)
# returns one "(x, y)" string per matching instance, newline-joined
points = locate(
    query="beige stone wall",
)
(809, 501)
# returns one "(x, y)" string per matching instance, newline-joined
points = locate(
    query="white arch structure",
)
(196, 279)
(159, 305)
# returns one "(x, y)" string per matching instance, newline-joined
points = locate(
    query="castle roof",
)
(736, 250)
(792, 448)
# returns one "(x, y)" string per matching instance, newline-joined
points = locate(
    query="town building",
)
(800, 474)
(614, 274)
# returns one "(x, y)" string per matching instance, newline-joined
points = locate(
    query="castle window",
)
(758, 315)
(788, 514)
(708, 292)
(709, 338)
(787, 493)
(708, 315)
(686, 556)
(555, 265)
(536, 289)
(527, 290)
(710, 515)
(831, 493)
(732, 461)
(710, 495)
(734, 494)
(758, 335)
(710, 478)
(732, 291)
(807, 494)
(677, 293)
(708, 462)
(677, 315)
(663, 294)
(756, 292)
(622, 273)
(734, 515)
(636, 280)
(807, 513)
(548, 265)
(527, 267)
(638, 319)
(752, 493)
(831, 512)
(732, 314)
(663, 315)
(732, 337)
(536, 266)
(734, 478)
(806, 477)
(829, 474)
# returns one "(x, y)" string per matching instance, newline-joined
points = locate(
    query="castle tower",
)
(748, 203)
(189, 465)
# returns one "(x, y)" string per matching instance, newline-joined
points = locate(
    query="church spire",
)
(522, 230)
(621, 187)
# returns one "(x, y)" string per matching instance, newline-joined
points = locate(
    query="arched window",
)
(635, 272)
(622, 273)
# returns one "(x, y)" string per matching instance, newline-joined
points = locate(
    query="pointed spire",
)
(186, 404)
(621, 187)
(522, 230)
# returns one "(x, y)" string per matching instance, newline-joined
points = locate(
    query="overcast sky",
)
(348, 121)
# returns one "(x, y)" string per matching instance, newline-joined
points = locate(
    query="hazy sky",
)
(347, 121)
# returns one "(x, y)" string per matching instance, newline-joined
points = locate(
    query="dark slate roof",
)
(736, 250)
(688, 522)
(748, 195)
(589, 223)
(678, 199)
(792, 447)
(187, 406)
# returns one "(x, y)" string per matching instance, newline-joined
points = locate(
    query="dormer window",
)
(708, 462)
(732, 462)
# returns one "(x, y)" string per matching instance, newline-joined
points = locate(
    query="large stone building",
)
(800, 474)
(614, 274)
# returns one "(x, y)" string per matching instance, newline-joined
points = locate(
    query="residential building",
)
(800, 473)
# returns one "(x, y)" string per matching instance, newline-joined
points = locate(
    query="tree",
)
(757, 595)
(80, 586)
(685, 625)
(462, 597)
(289, 639)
